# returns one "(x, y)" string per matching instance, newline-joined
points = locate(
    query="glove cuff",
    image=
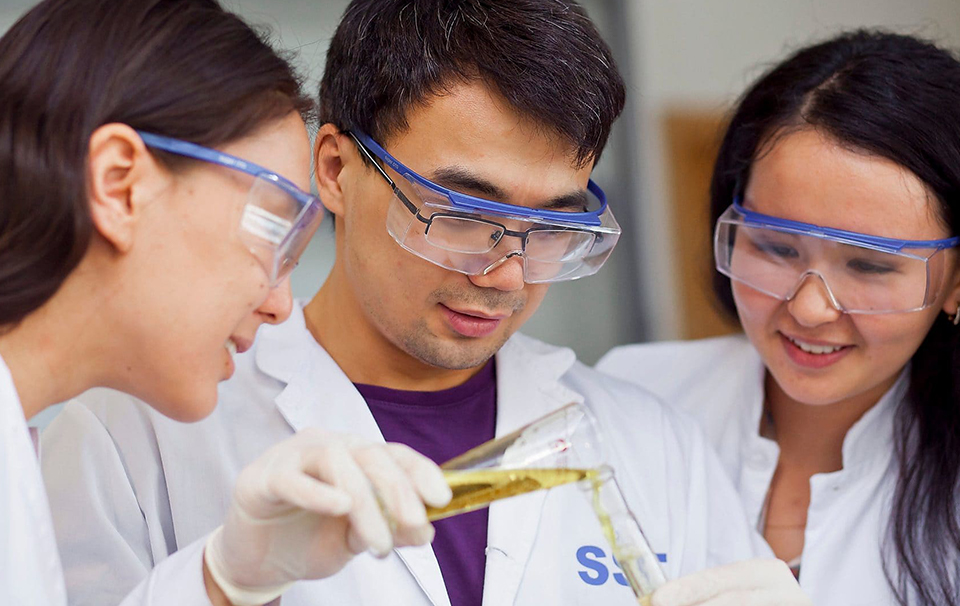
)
(237, 594)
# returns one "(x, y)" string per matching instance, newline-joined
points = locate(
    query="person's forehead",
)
(282, 147)
(806, 177)
(472, 122)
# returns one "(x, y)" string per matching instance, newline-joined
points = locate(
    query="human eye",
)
(870, 267)
(776, 249)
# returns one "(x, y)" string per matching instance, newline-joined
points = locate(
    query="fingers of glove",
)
(701, 587)
(368, 527)
(426, 477)
(399, 500)
(303, 491)
(277, 480)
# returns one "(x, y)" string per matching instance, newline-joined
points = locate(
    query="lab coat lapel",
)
(319, 394)
(527, 388)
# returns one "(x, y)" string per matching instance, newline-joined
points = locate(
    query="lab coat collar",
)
(8, 391)
(12, 418)
(317, 392)
(283, 347)
(870, 441)
(544, 361)
(752, 392)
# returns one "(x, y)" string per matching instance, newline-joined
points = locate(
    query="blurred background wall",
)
(685, 62)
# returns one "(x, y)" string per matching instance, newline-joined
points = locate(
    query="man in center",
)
(455, 156)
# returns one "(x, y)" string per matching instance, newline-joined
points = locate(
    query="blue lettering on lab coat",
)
(597, 572)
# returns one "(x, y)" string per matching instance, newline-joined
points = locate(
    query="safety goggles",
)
(278, 219)
(861, 274)
(474, 235)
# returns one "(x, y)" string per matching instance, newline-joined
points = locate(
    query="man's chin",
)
(457, 354)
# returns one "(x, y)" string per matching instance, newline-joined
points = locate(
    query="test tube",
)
(637, 560)
(560, 448)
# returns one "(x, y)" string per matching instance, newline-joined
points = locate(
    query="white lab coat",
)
(30, 571)
(150, 485)
(720, 382)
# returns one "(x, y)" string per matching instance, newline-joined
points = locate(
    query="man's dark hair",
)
(545, 57)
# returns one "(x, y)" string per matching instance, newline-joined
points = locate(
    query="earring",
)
(955, 317)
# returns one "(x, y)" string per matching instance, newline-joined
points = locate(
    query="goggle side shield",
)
(277, 228)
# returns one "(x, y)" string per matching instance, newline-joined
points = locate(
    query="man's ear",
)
(330, 150)
(117, 166)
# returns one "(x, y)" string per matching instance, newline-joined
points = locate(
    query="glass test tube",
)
(637, 560)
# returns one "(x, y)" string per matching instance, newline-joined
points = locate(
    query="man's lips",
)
(472, 323)
(479, 314)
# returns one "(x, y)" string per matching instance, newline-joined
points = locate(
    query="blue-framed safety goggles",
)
(861, 273)
(278, 219)
(474, 236)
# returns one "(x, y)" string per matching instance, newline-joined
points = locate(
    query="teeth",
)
(231, 347)
(815, 349)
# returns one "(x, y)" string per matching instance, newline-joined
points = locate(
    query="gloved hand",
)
(310, 503)
(749, 583)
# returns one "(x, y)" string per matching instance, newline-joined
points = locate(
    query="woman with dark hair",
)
(154, 168)
(836, 210)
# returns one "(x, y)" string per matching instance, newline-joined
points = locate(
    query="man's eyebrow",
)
(574, 201)
(461, 180)
(464, 181)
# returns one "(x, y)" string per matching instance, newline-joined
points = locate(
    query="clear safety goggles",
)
(861, 274)
(278, 219)
(474, 235)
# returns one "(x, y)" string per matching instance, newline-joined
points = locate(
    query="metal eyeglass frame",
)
(567, 220)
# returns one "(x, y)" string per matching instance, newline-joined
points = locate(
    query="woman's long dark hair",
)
(181, 68)
(897, 97)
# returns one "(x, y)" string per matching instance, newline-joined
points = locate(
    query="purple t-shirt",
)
(442, 425)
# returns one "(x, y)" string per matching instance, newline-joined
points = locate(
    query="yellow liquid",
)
(474, 490)
(626, 558)
(477, 489)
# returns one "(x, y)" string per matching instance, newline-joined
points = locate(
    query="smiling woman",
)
(835, 205)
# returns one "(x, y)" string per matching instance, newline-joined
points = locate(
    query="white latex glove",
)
(748, 583)
(312, 502)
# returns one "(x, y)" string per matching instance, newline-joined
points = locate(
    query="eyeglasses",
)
(474, 235)
(862, 274)
(278, 219)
